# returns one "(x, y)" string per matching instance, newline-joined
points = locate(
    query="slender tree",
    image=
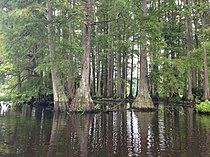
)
(206, 78)
(58, 94)
(189, 48)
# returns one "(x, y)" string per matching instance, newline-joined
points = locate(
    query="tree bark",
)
(124, 67)
(196, 45)
(93, 89)
(110, 75)
(98, 93)
(58, 94)
(110, 72)
(188, 26)
(130, 96)
(94, 50)
(118, 64)
(206, 82)
(83, 100)
(105, 66)
(143, 99)
(71, 76)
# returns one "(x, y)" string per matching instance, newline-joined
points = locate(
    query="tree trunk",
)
(138, 72)
(94, 50)
(206, 82)
(71, 77)
(196, 45)
(110, 75)
(118, 64)
(119, 79)
(83, 100)
(19, 80)
(32, 61)
(188, 26)
(130, 96)
(93, 74)
(154, 85)
(98, 93)
(58, 94)
(105, 76)
(110, 72)
(124, 67)
(143, 99)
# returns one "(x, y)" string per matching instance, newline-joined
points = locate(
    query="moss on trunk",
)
(81, 102)
(143, 102)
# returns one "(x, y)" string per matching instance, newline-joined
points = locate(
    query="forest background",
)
(79, 50)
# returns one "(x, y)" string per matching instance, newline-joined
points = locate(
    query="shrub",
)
(203, 107)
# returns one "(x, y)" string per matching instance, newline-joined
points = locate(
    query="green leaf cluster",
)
(203, 107)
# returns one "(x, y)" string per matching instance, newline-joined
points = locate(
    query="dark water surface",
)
(168, 132)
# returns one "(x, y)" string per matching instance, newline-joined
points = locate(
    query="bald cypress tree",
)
(58, 93)
(82, 100)
(143, 99)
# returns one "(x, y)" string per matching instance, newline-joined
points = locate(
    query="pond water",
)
(171, 131)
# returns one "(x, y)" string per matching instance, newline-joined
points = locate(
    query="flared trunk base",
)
(81, 102)
(143, 102)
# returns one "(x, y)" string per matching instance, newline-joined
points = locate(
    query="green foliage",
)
(203, 107)
(116, 27)
(80, 108)
(175, 98)
(4, 149)
(197, 92)
(107, 107)
(6, 72)
(5, 97)
(97, 107)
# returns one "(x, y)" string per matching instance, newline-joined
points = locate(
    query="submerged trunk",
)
(83, 100)
(58, 94)
(143, 100)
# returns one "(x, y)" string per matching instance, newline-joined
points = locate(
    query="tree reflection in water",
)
(57, 123)
(170, 131)
(146, 132)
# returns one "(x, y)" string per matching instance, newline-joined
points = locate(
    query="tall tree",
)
(143, 99)
(83, 98)
(189, 45)
(206, 78)
(58, 92)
